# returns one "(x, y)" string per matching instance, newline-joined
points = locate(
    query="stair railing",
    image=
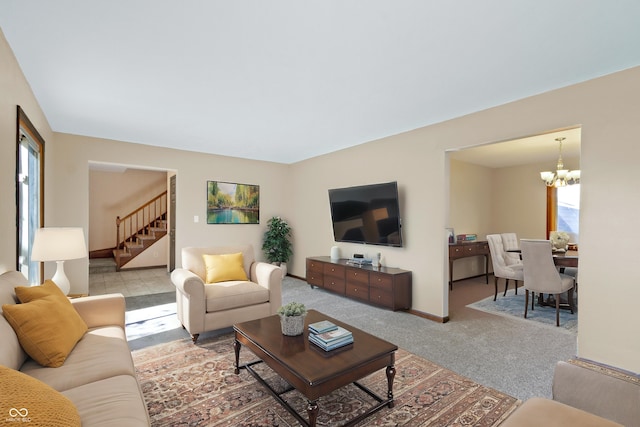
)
(139, 223)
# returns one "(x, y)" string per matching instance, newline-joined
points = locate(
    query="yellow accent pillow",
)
(30, 293)
(47, 325)
(224, 267)
(27, 401)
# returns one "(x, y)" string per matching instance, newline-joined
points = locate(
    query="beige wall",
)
(470, 209)
(14, 90)
(606, 108)
(192, 170)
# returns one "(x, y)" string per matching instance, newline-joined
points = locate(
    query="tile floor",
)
(150, 316)
(131, 283)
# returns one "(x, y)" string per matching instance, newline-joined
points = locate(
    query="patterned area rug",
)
(194, 385)
(512, 305)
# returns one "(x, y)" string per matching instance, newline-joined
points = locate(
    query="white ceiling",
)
(287, 80)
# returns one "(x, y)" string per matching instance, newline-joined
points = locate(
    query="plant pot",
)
(283, 268)
(292, 325)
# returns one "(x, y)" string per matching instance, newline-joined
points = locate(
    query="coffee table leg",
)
(236, 348)
(391, 374)
(312, 411)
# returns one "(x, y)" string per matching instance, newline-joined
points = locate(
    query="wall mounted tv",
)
(366, 214)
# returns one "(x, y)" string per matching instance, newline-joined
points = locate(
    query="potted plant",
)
(292, 318)
(276, 244)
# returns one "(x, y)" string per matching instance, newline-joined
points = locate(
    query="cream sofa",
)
(584, 394)
(98, 376)
(205, 307)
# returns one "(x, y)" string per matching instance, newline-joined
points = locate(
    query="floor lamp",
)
(59, 244)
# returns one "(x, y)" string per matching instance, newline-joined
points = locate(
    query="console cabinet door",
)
(357, 283)
(333, 278)
(314, 273)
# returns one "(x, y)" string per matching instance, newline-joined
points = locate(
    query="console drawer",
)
(357, 291)
(315, 278)
(357, 276)
(381, 297)
(334, 270)
(314, 266)
(314, 273)
(381, 281)
(334, 284)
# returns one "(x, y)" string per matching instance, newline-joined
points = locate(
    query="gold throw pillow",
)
(47, 325)
(26, 401)
(224, 267)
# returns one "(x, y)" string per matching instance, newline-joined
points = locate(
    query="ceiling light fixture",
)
(561, 177)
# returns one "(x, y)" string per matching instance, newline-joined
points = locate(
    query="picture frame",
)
(451, 235)
(232, 203)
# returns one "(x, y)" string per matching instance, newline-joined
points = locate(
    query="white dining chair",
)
(502, 269)
(510, 243)
(542, 276)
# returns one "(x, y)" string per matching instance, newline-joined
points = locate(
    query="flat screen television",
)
(366, 214)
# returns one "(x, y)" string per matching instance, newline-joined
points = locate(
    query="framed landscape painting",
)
(232, 203)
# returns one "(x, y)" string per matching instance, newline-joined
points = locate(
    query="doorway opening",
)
(137, 202)
(496, 188)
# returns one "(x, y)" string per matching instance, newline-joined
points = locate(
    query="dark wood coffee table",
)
(311, 370)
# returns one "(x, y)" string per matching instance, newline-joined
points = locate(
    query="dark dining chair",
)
(541, 275)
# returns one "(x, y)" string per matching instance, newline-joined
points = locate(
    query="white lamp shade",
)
(58, 244)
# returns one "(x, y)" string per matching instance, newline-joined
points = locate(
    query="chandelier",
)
(561, 177)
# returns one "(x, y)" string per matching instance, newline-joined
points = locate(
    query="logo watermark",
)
(18, 416)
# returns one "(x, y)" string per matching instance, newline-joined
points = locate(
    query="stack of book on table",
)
(329, 336)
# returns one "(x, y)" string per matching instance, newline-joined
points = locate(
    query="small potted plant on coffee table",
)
(292, 318)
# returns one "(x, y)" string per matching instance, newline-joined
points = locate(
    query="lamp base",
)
(60, 279)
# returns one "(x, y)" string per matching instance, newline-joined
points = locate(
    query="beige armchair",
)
(205, 306)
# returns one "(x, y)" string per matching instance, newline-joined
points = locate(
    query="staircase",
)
(140, 229)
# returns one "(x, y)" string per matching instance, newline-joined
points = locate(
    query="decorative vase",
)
(292, 325)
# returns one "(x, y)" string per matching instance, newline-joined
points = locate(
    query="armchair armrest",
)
(269, 276)
(265, 274)
(188, 283)
(101, 310)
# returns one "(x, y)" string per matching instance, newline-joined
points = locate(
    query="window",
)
(29, 195)
(563, 210)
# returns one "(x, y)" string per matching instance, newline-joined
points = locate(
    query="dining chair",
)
(541, 275)
(501, 268)
(510, 242)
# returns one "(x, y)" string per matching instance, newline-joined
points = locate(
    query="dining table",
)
(566, 259)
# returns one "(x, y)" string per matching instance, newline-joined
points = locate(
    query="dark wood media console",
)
(385, 287)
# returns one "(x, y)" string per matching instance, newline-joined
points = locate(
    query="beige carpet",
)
(194, 385)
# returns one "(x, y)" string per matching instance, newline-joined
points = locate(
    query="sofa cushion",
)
(599, 389)
(549, 413)
(101, 353)
(234, 294)
(224, 267)
(115, 401)
(11, 353)
(24, 399)
(47, 325)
